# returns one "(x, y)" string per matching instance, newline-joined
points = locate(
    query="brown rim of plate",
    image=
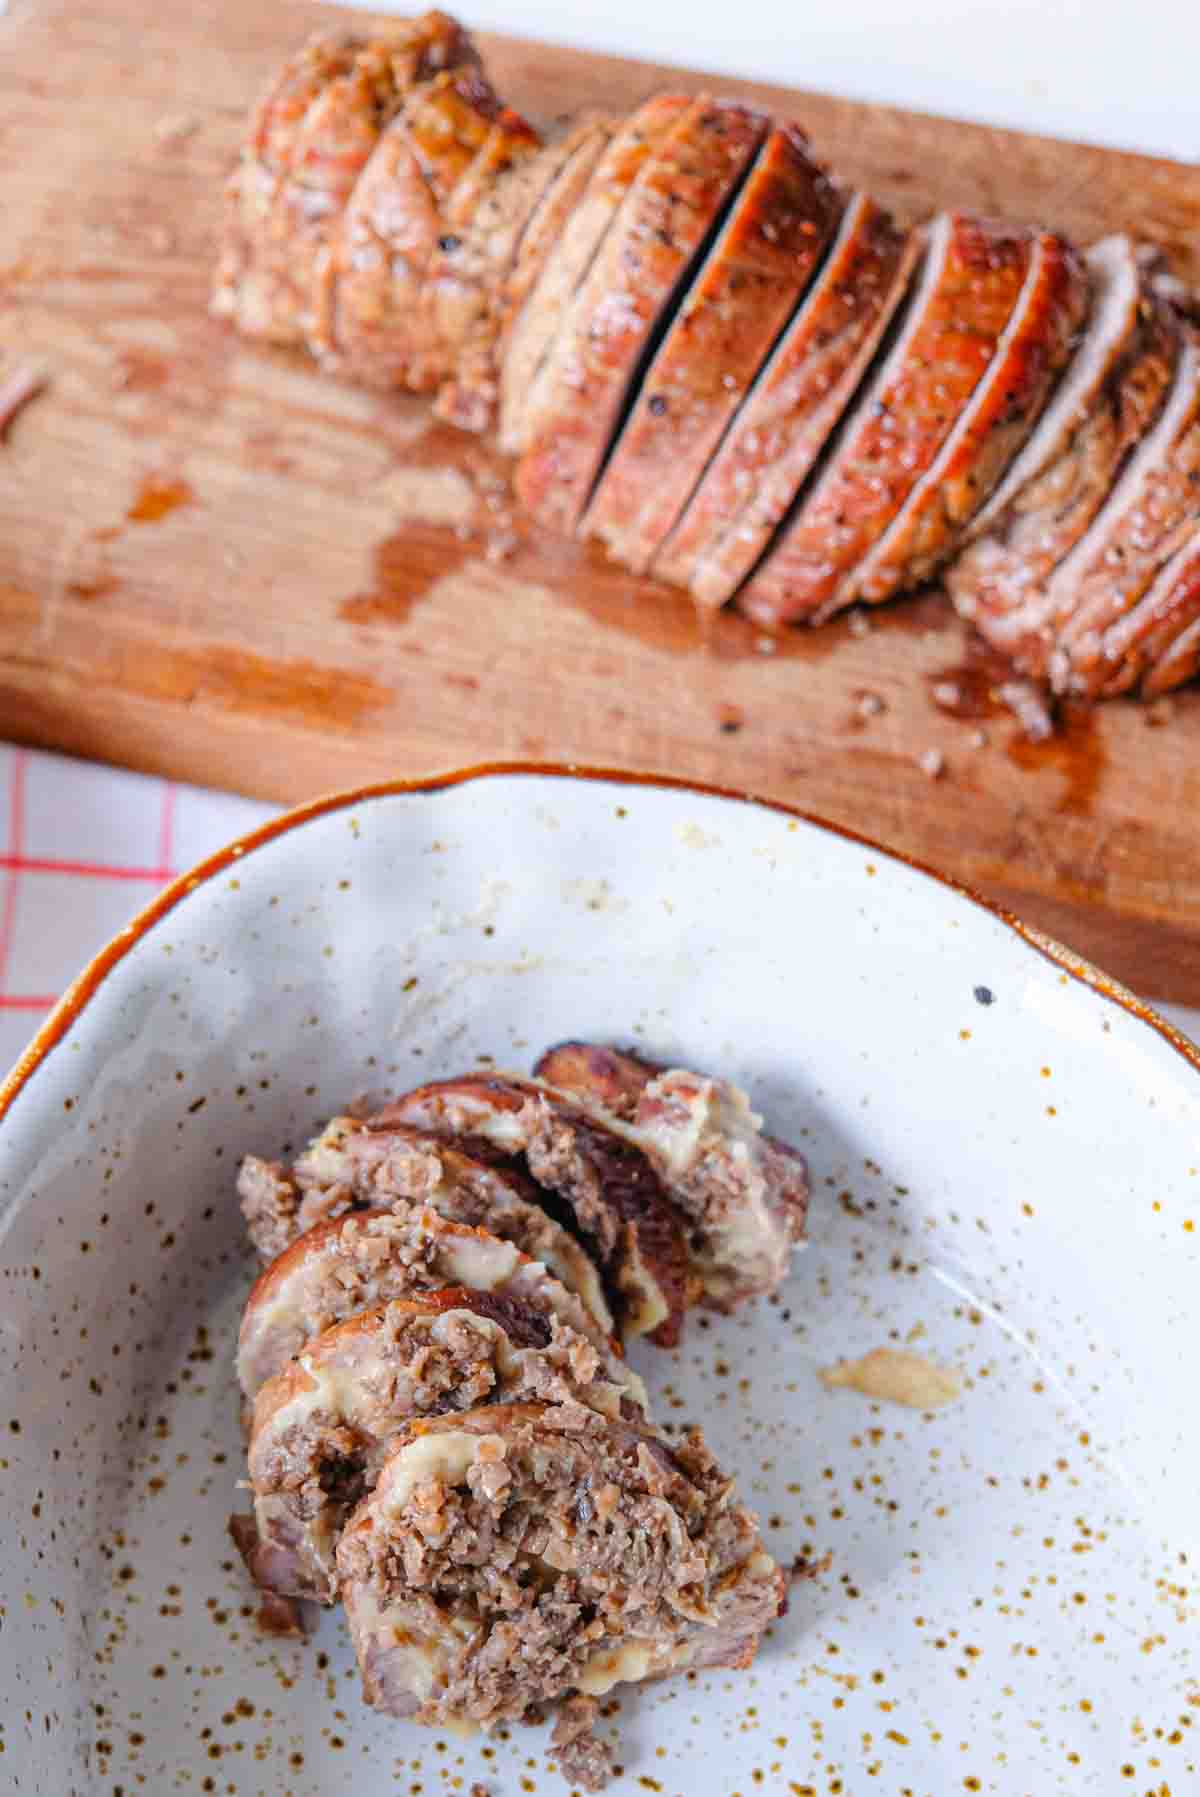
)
(71, 1006)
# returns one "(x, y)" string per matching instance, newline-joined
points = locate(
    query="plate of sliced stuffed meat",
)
(555, 1281)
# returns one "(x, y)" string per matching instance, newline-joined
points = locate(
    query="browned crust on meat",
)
(793, 406)
(998, 421)
(677, 197)
(999, 582)
(742, 296)
(637, 1233)
(609, 1077)
(900, 422)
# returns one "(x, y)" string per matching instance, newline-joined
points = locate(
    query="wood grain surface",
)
(217, 564)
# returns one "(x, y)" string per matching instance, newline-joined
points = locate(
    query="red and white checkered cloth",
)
(84, 847)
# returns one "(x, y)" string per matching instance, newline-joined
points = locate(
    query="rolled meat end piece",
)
(1102, 407)
(972, 279)
(759, 265)
(251, 286)
(636, 1233)
(640, 273)
(356, 1262)
(309, 139)
(519, 1554)
(745, 1193)
(793, 407)
(355, 1165)
(321, 1426)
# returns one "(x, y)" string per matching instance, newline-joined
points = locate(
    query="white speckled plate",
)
(1005, 1155)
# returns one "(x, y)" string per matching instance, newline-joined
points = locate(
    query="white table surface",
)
(87, 847)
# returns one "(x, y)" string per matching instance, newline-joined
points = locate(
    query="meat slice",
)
(471, 259)
(793, 406)
(376, 320)
(744, 1194)
(514, 1555)
(972, 279)
(1104, 404)
(996, 421)
(1156, 646)
(758, 267)
(635, 1231)
(354, 1164)
(321, 1426)
(595, 182)
(510, 236)
(309, 138)
(367, 1258)
(640, 272)
(1152, 512)
(568, 167)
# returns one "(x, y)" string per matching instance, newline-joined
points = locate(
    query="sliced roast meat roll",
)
(1103, 406)
(321, 1425)
(745, 1194)
(749, 284)
(793, 406)
(595, 184)
(351, 1263)
(636, 1232)
(994, 424)
(1156, 646)
(513, 1555)
(640, 269)
(972, 280)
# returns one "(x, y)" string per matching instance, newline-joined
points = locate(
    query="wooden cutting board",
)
(216, 564)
